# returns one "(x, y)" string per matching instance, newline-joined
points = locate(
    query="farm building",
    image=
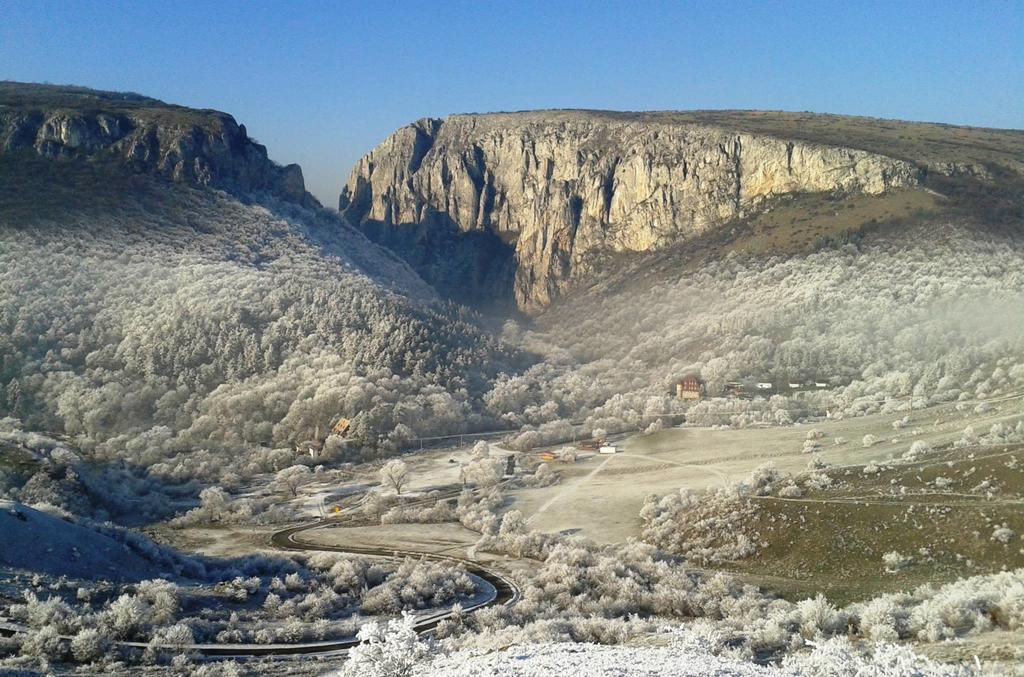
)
(689, 388)
(341, 427)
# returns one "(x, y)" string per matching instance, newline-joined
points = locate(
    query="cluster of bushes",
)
(257, 600)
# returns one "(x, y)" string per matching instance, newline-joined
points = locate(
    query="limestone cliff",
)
(202, 147)
(542, 195)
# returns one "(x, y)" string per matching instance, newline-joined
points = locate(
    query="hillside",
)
(535, 202)
(31, 540)
(160, 321)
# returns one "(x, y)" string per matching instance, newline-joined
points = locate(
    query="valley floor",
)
(600, 497)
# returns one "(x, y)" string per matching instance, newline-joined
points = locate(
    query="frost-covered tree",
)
(293, 477)
(394, 474)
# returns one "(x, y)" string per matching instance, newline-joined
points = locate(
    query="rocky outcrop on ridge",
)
(201, 147)
(540, 196)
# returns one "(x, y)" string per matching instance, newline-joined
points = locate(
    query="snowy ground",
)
(684, 656)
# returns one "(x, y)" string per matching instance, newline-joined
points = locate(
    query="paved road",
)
(506, 592)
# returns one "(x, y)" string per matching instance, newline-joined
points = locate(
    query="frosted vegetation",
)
(184, 325)
(900, 320)
(257, 599)
(185, 339)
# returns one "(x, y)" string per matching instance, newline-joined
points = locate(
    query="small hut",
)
(689, 388)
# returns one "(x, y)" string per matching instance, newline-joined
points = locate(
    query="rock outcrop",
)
(539, 197)
(202, 147)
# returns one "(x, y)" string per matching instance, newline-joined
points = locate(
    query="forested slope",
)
(193, 331)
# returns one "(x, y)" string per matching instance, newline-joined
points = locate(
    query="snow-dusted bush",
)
(894, 561)
(818, 617)
(656, 426)
(1003, 534)
(44, 643)
(89, 644)
(482, 471)
(869, 440)
(437, 513)
(917, 450)
(791, 490)
(178, 636)
(391, 650)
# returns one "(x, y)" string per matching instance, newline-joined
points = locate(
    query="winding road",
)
(506, 592)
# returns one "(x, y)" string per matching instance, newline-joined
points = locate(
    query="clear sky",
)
(322, 83)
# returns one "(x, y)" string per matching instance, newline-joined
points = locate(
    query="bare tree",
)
(394, 474)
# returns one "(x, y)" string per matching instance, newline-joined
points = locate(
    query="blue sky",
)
(322, 83)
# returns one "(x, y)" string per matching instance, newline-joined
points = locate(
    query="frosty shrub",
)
(894, 561)
(482, 471)
(885, 618)
(656, 426)
(44, 643)
(917, 450)
(818, 618)
(870, 440)
(177, 636)
(437, 513)
(791, 490)
(293, 477)
(760, 480)
(391, 650)
(89, 645)
(1002, 534)
(811, 446)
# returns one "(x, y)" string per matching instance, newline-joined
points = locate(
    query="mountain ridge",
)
(202, 147)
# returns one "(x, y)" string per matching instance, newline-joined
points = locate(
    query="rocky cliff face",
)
(541, 196)
(181, 144)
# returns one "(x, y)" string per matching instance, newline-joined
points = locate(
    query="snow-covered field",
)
(675, 651)
(681, 659)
